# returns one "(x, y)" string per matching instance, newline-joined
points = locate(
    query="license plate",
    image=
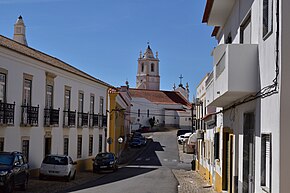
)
(54, 172)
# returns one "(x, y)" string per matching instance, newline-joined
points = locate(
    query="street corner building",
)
(242, 106)
(48, 106)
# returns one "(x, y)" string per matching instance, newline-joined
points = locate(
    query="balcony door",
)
(2, 87)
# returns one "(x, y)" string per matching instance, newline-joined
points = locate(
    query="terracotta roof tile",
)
(157, 96)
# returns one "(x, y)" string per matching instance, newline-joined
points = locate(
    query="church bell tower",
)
(148, 71)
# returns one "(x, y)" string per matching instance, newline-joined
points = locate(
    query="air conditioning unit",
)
(200, 134)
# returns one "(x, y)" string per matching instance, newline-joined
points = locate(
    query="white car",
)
(181, 138)
(58, 166)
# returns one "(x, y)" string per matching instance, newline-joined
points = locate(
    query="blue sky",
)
(104, 37)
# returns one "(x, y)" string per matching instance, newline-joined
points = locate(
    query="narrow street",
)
(150, 172)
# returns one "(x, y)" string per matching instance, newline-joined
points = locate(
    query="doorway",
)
(248, 153)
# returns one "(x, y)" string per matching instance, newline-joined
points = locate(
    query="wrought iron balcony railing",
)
(7, 113)
(29, 115)
(104, 121)
(94, 120)
(83, 119)
(69, 118)
(51, 117)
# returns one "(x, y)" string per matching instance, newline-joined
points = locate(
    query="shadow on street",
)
(146, 162)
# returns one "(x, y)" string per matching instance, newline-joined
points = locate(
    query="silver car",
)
(58, 166)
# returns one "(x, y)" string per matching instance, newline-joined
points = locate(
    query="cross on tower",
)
(181, 77)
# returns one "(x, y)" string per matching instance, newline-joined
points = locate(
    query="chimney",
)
(19, 31)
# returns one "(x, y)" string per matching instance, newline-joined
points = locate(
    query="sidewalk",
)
(190, 181)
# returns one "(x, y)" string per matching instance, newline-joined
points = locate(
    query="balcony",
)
(69, 118)
(94, 120)
(235, 74)
(83, 119)
(217, 12)
(7, 113)
(51, 117)
(29, 116)
(104, 121)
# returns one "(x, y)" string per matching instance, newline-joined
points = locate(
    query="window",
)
(101, 110)
(27, 92)
(92, 104)
(67, 99)
(49, 96)
(79, 151)
(216, 145)
(148, 113)
(65, 145)
(138, 112)
(100, 143)
(152, 67)
(25, 148)
(1, 143)
(142, 67)
(229, 39)
(2, 87)
(91, 145)
(267, 17)
(81, 102)
(245, 30)
(266, 161)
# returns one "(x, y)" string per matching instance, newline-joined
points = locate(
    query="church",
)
(165, 108)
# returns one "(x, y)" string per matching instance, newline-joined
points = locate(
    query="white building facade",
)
(250, 74)
(48, 106)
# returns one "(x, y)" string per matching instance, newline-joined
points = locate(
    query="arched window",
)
(152, 67)
(142, 67)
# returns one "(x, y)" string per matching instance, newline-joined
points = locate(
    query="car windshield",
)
(105, 156)
(6, 159)
(56, 160)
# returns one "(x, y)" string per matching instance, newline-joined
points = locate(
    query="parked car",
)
(182, 138)
(182, 132)
(58, 166)
(105, 161)
(140, 137)
(135, 142)
(14, 171)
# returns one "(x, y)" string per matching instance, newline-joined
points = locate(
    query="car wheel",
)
(74, 176)
(24, 186)
(67, 178)
(9, 187)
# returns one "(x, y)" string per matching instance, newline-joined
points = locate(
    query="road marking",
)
(139, 166)
(165, 160)
(147, 159)
(138, 159)
(174, 160)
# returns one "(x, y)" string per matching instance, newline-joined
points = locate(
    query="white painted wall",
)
(17, 64)
(271, 112)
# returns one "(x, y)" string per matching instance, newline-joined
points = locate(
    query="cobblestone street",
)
(190, 181)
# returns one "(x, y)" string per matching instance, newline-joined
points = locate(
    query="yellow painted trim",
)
(218, 183)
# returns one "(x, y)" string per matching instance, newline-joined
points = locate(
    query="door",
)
(227, 167)
(248, 153)
(47, 146)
